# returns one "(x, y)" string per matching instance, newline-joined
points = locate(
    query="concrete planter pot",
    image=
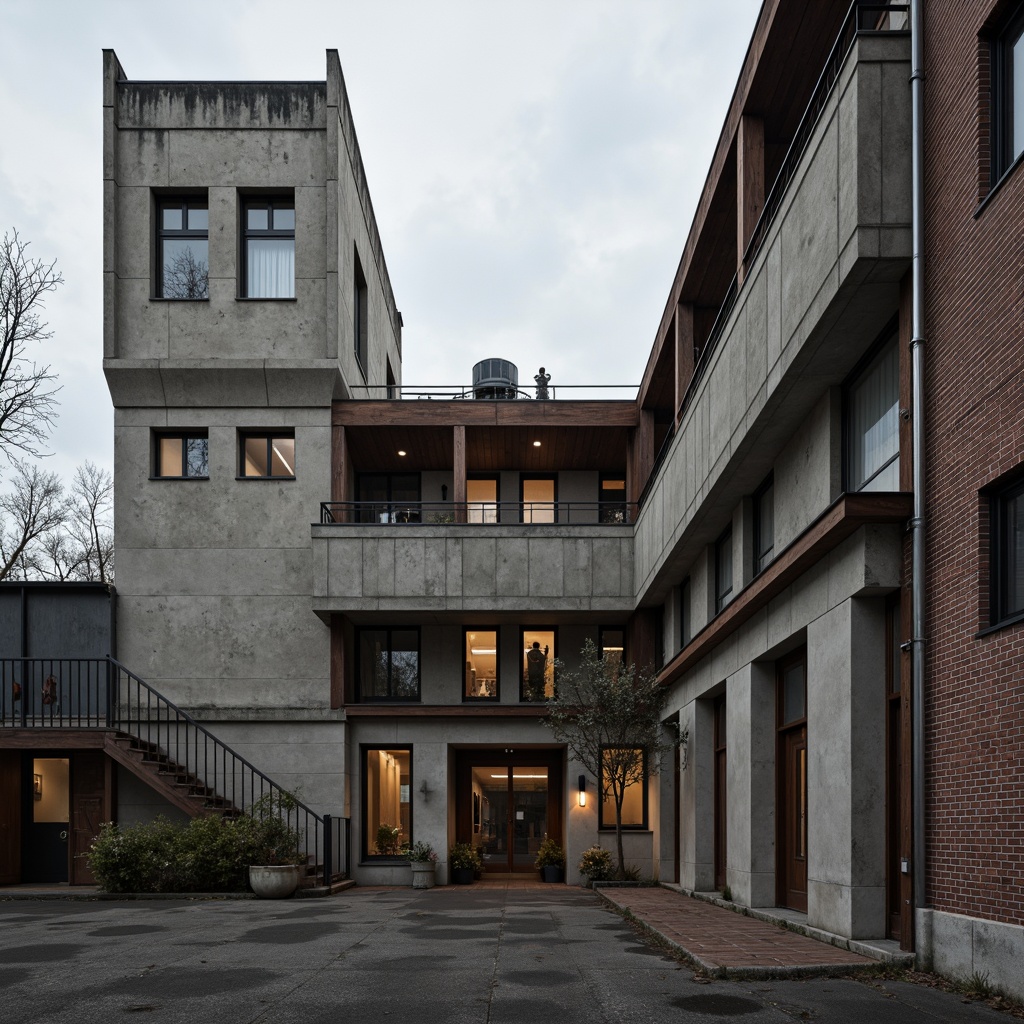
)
(422, 874)
(274, 881)
(552, 873)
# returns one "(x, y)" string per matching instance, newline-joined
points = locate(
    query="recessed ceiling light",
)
(400, 452)
(536, 444)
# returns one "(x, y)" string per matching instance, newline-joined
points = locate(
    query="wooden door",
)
(721, 830)
(791, 783)
(88, 809)
(10, 817)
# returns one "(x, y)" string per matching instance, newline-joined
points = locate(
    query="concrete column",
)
(846, 769)
(750, 784)
(749, 183)
(697, 798)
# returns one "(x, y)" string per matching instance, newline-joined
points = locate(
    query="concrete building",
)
(750, 524)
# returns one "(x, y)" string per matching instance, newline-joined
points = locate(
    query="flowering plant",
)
(596, 864)
(420, 852)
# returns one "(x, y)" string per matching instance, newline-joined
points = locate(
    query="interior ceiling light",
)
(503, 775)
(400, 452)
(536, 444)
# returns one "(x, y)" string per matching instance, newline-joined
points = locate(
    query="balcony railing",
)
(482, 513)
(100, 693)
(522, 392)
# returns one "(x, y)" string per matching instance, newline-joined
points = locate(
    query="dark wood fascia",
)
(443, 711)
(440, 413)
(840, 520)
(45, 738)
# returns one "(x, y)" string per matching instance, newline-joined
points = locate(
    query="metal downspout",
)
(917, 579)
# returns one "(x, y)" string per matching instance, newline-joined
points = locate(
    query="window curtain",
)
(874, 426)
(271, 265)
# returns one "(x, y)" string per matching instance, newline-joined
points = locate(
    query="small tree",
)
(609, 716)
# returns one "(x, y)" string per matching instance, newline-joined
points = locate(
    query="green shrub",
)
(134, 859)
(550, 854)
(596, 864)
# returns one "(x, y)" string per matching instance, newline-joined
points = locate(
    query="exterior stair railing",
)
(101, 694)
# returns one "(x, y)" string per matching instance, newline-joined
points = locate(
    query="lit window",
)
(873, 424)
(538, 665)
(267, 456)
(613, 500)
(481, 659)
(389, 664)
(1007, 553)
(387, 780)
(623, 772)
(183, 249)
(612, 646)
(269, 226)
(181, 456)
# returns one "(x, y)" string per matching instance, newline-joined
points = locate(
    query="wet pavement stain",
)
(305, 931)
(715, 1004)
(128, 929)
(187, 983)
(541, 979)
(44, 953)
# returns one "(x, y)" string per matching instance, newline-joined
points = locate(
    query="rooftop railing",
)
(482, 513)
(460, 392)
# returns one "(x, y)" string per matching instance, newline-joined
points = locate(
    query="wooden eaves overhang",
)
(840, 520)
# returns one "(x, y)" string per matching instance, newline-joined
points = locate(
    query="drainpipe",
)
(917, 579)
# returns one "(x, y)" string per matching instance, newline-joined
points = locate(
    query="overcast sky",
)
(534, 167)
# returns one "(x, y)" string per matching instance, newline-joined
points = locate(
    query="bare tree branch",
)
(27, 389)
(35, 507)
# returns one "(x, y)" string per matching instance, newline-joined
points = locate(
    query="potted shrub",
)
(596, 865)
(423, 862)
(272, 846)
(551, 861)
(463, 863)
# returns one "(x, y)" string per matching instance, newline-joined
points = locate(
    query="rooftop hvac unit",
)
(495, 378)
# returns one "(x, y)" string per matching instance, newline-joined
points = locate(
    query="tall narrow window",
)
(539, 499)
(623, 774)
(1008, 95)
(183, 249)
(685, 613)
(269, 248)
(873, 423)
(267, 456)
(387, 803)
(1006, 513)
(723, 570)
(538, 664)
(482, 499)
(360, 312)
(389, 664)
(183, 455)
(612, 645)
(764, 524)
(613, 500)
(480, 648)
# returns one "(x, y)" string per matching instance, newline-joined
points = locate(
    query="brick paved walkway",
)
(726, 943)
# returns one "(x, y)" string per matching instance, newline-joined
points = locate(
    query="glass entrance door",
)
(510, 815)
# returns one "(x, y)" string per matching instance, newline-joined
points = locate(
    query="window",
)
(685, 614)
(480, 647)
(482, 499)
(623, 770)
(387, 804)
(1006, 514)
(537, 680)
(360, 312)
(389, 497)
(764, 524)
(389, 664)
(539, 499)
(181, 456)
(1008, 96)
(183, 249)
(613, 500)
(723, 570)
(269, 248)
(267, 456)
(612, 645)
(873, 424)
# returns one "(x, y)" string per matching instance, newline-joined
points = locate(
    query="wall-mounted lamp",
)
(426, 791)
(583, 791)
(444, 492)
(37, 786)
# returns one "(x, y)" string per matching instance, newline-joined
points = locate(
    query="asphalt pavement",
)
(441, 956)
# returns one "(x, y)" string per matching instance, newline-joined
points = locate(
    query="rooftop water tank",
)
(495, 378)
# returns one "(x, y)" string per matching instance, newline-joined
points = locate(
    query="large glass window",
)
(873, 424)
(1007, 553)
(613, 500)
(481, 660)
(183, 249)
(389, 664)
(538, 498)
(388, 497)
(267, 456)
(387, 804)
(269, 226)
(764, 524)
(1008, 95)
(538, 664)
(723, 570)
(482, 499)
(182, 456)
(623, 769)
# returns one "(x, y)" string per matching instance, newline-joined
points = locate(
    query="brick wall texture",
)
(974, 374)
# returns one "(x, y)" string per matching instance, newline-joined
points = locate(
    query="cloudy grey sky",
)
(534, 166)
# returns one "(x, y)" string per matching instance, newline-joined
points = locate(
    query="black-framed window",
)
(483, 498)
(183, 455)
(764, 524)
(873, 423)
(388, 664)
(685, 613)
(266, 455)
(1006, 556)
(612, 498)
(723, 570)
(611, 645)
(388, 497)
(183, 248)
(628, 764)
(539, 648)
(538, 496)
(387, 801)
(360, 315)
(268, 227)
(482, 659)
(1007, 72)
